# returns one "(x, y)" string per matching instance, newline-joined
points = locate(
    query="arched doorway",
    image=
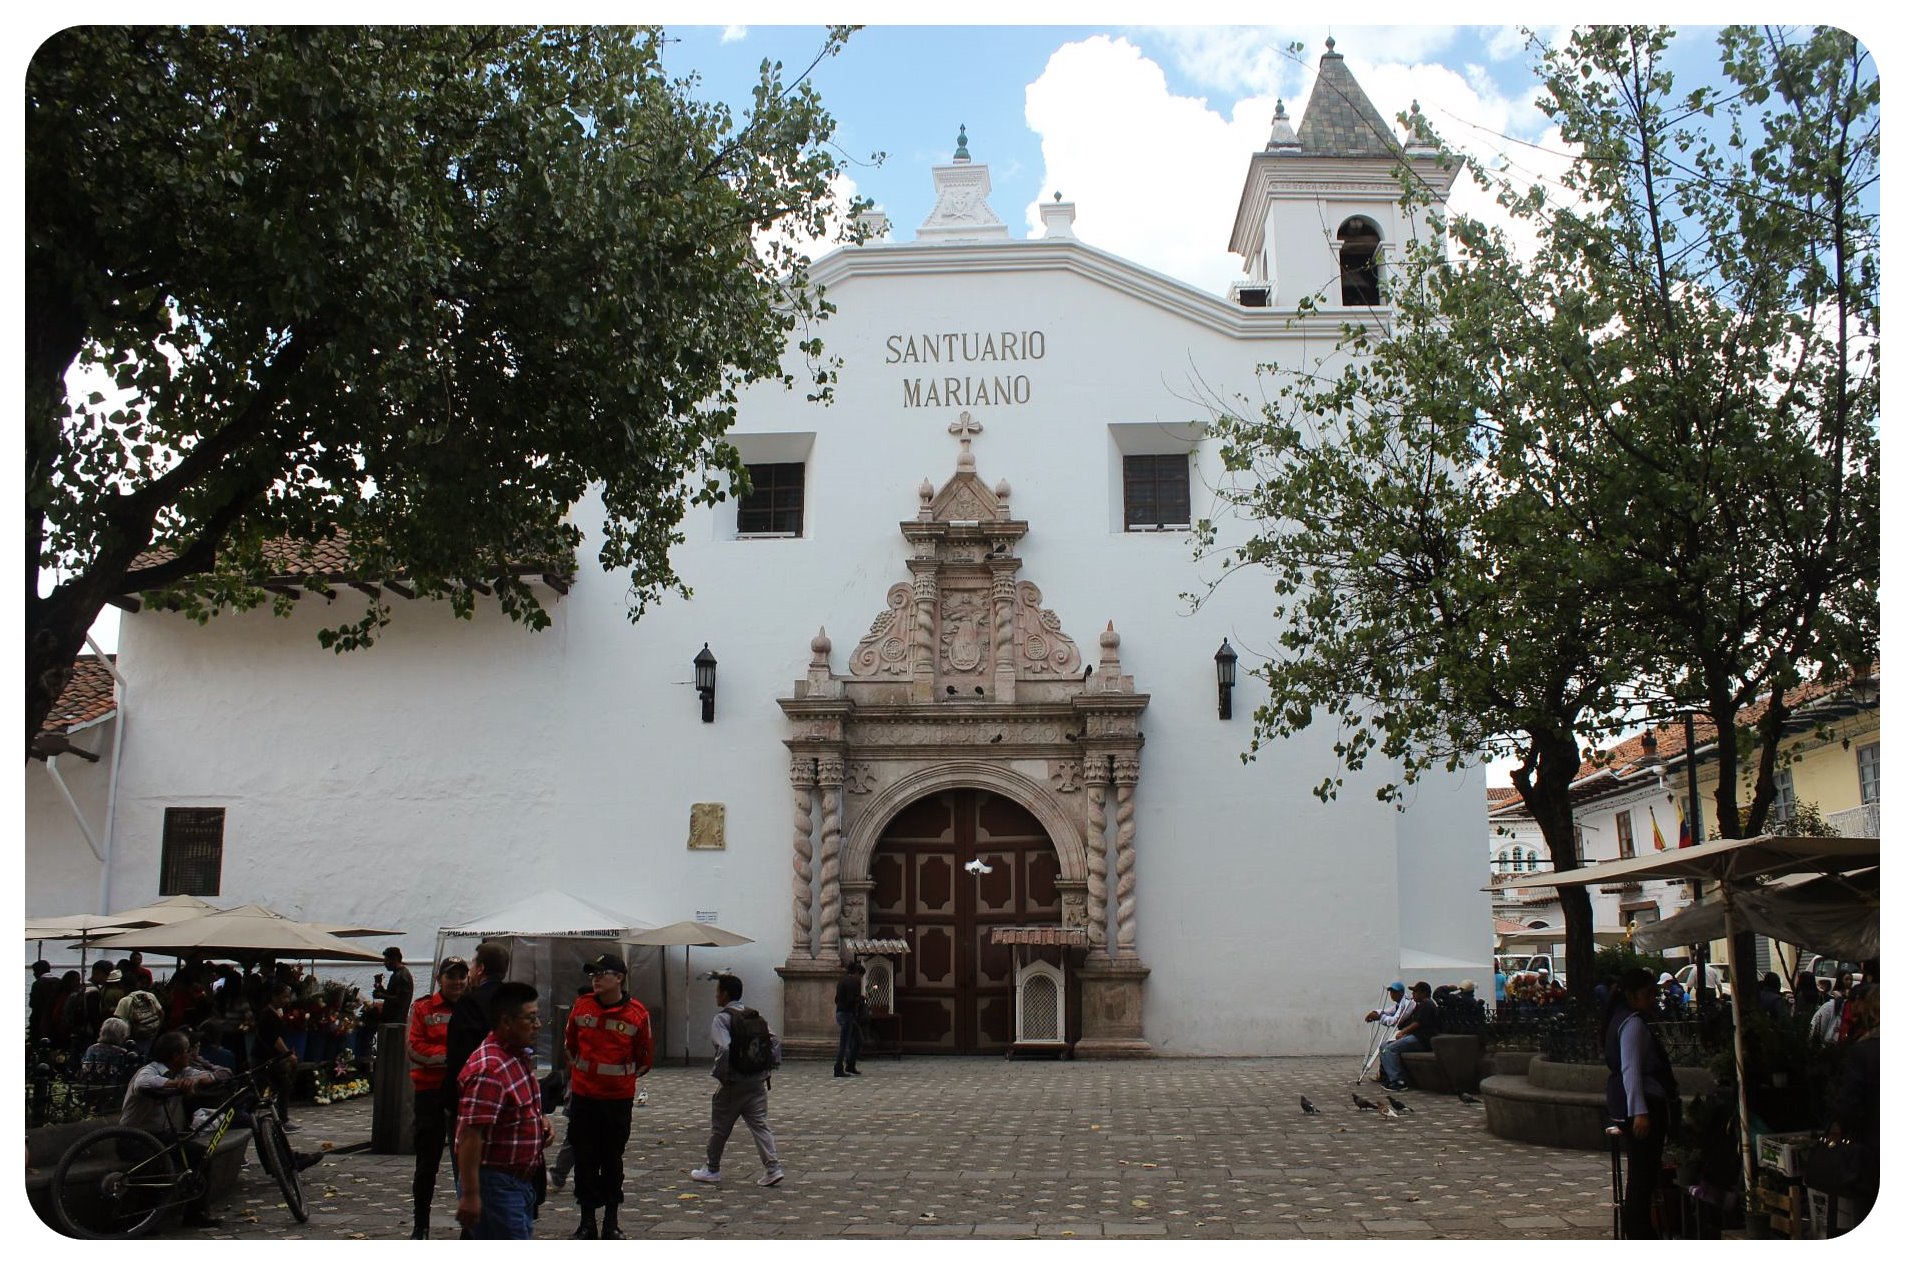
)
(953, 991)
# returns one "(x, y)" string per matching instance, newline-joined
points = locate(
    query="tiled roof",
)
(87, 696)
(1340, 119)
(296, 561)
(1624, 758)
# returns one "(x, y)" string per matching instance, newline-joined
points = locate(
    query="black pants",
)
(279, 1076)
(1643, 1174)
(598, 1129)
(429, 1135)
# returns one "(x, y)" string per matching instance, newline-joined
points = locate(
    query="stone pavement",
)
(982, 1148)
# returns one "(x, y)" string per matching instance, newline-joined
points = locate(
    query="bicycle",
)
(121, 1182)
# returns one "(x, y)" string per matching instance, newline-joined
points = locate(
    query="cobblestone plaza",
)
(983, 1148)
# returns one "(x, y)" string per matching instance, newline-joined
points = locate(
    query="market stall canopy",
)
(551, 913)
(244, 932)
(1604, 937)
(1730, 860)
(696, 935)
(1834, 915)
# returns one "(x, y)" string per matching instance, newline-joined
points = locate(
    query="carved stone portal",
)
(965, 679)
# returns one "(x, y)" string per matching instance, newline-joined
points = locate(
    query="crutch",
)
(1375, 1044)
(1613, 1132)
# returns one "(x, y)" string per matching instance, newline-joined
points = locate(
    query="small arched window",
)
(1517, 855)
(1359, 242)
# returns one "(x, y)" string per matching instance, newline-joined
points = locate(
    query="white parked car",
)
(1717, 978)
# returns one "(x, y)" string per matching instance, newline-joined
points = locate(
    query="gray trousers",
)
(748, 1102)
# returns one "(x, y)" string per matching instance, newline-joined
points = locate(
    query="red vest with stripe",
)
(607, 1047)
(428, 1035)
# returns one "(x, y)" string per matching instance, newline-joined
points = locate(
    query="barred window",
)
(1157, 491)
(193, 852)
(774, 507)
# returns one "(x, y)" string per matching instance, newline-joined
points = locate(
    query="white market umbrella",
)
(86, 929)
(168, 909)
(688, 934)
(245, 932)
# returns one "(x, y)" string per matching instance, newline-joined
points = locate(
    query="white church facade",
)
(962, 715)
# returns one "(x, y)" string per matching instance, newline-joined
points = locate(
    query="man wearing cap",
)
(610, 1047)
(1392, 1016)
(426, 1037)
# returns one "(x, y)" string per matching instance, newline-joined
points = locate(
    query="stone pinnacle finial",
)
(960, 155)
(1329, 44)
(1108, 665)
(822, 646)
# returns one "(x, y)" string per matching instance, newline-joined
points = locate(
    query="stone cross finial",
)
(960, 154)
(965, 428)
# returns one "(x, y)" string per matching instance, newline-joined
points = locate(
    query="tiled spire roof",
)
(1340, 119)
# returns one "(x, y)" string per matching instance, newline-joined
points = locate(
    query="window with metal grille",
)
(1624, 831)
(1157, 491)
(774, 507)
(1038, 1010)
(1869, 773)
(192, 852)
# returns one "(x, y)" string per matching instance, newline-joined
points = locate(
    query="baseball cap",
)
(1666, 977)
(607, 962)
(1397, 986)
(453, 966)
(1468, 985)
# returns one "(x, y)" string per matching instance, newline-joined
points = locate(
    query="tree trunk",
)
(1545, 780)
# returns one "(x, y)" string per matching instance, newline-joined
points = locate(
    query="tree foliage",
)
(1630, 469)
(410, 290)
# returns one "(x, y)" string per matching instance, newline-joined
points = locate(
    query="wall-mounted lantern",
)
(704, 683)
(1226, 678)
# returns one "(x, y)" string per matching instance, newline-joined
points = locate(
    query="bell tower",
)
(1321, 213)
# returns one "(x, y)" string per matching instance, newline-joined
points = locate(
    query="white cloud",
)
(730, 34)
(1156, 175)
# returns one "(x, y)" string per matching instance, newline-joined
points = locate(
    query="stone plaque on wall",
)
(708, 827)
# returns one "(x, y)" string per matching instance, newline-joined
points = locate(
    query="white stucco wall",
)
(458, 766)
(63, 873)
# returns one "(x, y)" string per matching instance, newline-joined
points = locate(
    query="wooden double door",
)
(953, 991)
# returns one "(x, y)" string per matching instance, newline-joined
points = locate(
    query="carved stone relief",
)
(1063, 774)
(1072, 909)
(853, 915)
(884, 651)
(1043, 649)
(965, 633)
(860, 778)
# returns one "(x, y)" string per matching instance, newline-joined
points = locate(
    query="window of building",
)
(1359, 242)
(1784, 803)
(1157, 491)
(773, 508)
(1869, 773)
(1517, 855)
(1624, 831)
(192, 851)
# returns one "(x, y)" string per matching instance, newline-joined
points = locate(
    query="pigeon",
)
(1400, 1105)
(1470, 1099)
(980, 690)
(951, 690)
(1309, 1108)
(996, 738)
(1362, 1103)
(1087, 675)
(1071, 737)
(1387, 1114)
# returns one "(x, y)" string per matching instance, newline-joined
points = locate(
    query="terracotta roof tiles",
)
(86, 698)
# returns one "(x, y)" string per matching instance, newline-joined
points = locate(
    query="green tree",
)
(412, 291)
(1631, 468)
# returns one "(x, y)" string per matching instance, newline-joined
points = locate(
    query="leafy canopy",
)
(412, 290)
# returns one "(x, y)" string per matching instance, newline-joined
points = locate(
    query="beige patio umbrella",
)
(690, 935)
(167, 909)
(86, 929)
(352, 930)
(249, 931)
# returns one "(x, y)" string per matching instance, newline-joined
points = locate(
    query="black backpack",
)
(750, 1043)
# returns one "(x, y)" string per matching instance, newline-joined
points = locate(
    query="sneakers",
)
(641, 1098)
(839, 1071)
(301, 1160)
(706, 1174)
(852, 1070)
(613, 1231)
(586, 1230)
(289, 1127)
(558, 1177)
(772, 1177)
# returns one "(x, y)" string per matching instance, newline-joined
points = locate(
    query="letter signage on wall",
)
(990, 352)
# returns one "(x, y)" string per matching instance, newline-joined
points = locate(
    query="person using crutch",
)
(1641, 1095)
(1387, 1020)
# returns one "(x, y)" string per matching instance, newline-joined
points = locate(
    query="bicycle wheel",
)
(279, 1161)
(115, 1184)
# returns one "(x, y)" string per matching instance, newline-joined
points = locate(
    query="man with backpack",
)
(746, 1052)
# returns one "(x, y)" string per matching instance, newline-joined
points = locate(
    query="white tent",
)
(550, 935)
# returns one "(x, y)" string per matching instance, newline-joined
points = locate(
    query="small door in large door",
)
(954, 989)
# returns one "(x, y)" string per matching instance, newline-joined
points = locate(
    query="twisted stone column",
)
(925, 633)
(832, 772)
(1097, 778)
(1126, 776)
(801, 773)
(1005, 596)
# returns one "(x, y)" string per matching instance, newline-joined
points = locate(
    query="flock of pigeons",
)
(1394, 1109)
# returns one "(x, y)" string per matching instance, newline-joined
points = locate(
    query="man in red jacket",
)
(427, 1036)
(610, 1046)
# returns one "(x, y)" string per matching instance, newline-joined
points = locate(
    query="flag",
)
(1686, 831)
(1660, 843)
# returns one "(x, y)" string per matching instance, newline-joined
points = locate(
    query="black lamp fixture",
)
(704, 683)
(1226, 678)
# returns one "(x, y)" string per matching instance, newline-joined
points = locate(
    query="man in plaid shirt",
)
(500, 1130)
